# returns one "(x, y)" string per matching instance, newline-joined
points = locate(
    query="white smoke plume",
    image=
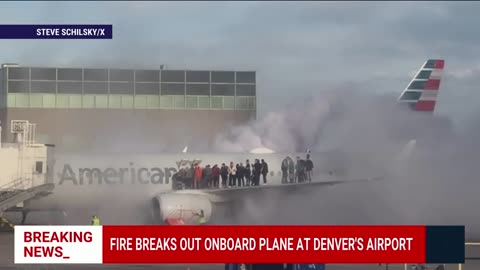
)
(436, 184)
(283, 131)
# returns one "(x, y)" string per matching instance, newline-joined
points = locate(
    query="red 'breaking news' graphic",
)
(58, 244)
(263, 244)
(40, 251)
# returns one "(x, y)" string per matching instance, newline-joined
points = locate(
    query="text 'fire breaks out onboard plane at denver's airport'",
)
(90, 182)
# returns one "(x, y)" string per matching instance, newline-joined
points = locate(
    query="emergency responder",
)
(95, 221)
(201, 217)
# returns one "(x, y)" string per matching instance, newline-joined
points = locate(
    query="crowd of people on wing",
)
(297, 172)
(241, 175)
(225, 176)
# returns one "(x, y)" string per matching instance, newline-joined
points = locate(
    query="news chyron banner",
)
(238, 244)
(50, 31)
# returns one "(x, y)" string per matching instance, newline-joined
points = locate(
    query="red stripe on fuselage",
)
(425, 105)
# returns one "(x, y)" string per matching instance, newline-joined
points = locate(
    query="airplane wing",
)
(290, 186)
(231, 194)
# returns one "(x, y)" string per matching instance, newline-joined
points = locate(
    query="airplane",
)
(118, 187)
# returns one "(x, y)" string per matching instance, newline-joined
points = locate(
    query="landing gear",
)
(156, 215)
(24, 216)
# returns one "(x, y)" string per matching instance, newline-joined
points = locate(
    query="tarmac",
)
(7, 262)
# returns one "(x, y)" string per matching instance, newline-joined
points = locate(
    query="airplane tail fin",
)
(421, 93)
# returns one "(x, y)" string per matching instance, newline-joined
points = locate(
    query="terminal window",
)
(69, 87)
(121, 75)
(49, 74)
(95, 75)
(18, 87)
(173, 76)
(18, 73)
(245, 77)
(198, 89)
(223, 76)
(69, 74)
(173, 89)
(147, 76)
(198, 76)
(147, 88)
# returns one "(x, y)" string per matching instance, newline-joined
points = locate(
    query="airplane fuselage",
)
(93, 181)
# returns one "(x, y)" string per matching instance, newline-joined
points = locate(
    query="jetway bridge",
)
(26, 170)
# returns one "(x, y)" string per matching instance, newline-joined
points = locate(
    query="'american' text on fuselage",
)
(113, 176)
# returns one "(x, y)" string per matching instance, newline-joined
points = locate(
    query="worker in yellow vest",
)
(201, 217)
(95, 221)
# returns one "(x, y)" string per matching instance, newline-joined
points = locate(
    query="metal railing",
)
(12, 189)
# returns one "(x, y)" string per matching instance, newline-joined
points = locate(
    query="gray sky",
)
(297, 48)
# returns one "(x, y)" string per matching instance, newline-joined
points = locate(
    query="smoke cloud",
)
(284, 131)
(436, 183)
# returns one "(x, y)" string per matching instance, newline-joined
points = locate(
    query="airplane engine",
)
(183, 206)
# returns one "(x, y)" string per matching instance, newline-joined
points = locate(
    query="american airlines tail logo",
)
(421, 93)
(115, 176)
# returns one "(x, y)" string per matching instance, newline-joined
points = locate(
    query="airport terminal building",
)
(104, 109)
